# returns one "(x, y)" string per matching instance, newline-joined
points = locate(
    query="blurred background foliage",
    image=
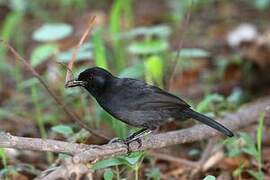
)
(215, 71)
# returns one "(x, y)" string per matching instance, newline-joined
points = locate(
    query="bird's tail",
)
(208, 121)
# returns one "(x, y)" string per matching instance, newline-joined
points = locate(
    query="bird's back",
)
(139, 104)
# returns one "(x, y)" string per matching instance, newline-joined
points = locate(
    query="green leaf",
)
(193, 53)
(117, 10)
(134, 71)
(84, 53)
(132, 159)
(154, 69)
(99, 50)
(153, 173)
(3, 156)
(108, 175)
(42, 52)
(250, 147)
(260, 134)
(148, 47)
(63, 129)
(232, 145)
(209, 177)
(251, 150)
(259, 142)
(9, 24)
(204, 104)
(236, 96)
(247, 138)
(52, 32)
(106, 163)
(18, 5)
(261, 4)
(256, 174)
(7, 30)
(234, 152)
(160, 31)
(80, 136)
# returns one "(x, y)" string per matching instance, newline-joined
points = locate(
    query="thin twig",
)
(185, 26)
(204, 157)
(74, 54)
(69, 112)
(67, 170)
(207, 151)
(174, 159)
(67, 68)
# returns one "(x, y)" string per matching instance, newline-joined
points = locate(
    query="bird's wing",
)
(150, 97)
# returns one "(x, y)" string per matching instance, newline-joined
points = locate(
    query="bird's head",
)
(93, 79)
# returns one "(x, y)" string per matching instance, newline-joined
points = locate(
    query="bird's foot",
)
(127, 141)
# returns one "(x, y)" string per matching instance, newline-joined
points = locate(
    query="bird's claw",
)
(133, 137)
(128, 141)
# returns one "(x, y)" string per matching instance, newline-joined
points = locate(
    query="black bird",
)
(137, 103)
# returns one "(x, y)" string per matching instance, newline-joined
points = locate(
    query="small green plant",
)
(153, 174)
(245, 144)
(259, 173)
(38, 117)
(132, 161)
(216, 103)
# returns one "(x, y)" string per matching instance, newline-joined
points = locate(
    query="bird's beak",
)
(74, 83)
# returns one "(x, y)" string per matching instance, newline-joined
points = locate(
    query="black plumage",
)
(137, 103)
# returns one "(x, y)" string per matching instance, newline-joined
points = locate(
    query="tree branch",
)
(184, 28)
(83, 153)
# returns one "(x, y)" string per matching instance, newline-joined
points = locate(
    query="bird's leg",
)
(136, 137)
